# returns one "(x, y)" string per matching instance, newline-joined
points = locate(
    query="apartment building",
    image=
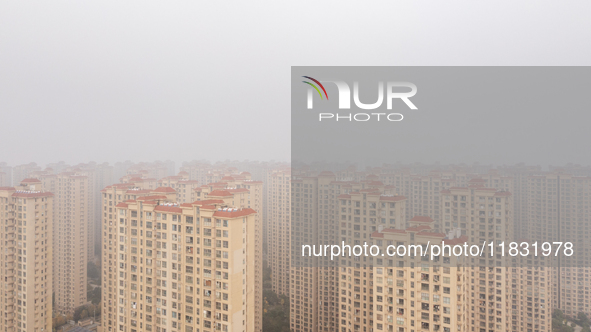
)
(304, 290)
(531, 293)
(247, 194)
(314, 288)
(423, 192)
(207, 173)
(493, 179)
(520, 174)
(197, 170)
(73, 208)
(156, 170)
(7, 170)
(57, 167)
(484, 214)
(361, 213)
(179, 267)
(89, 198)
(100, 175)
(488, 205)
(26, 219)
(120, 169)
(183, 186)
(415, 293)
(24, 171)
(279, 229)
(4, 181)
(326, 222)
(141, 180)
(558, 210)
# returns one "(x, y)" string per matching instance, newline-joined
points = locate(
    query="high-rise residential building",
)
(574, 169)
(520, 174)
(423, 192)
(196, 170)
(183, 186)
(362, 213)
(141, 180)
(242, 192)
(100, 175)
(6, 177)
(493, 179)
(315, 283)
(120, 169)
(177, 267)
(327, 221)
(26, 218)
(531, 293)
(22, 172)
(412, 293)
(111, 196)
(58, 167)
(507, 204)
(304, 291)
(74, 206)
(279, 229)
(558, 210)
(484, 214)
(89, 204)
(157, 169)
(205, 173)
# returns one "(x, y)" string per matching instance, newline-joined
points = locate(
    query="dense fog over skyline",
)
(114, 81)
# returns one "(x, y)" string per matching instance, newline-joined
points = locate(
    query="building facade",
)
(26, 218)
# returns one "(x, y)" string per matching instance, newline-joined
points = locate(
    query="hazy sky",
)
(117, 80)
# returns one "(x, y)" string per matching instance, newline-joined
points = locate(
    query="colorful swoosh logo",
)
(315, 87)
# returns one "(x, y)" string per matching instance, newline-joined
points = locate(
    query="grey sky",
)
(117, 80)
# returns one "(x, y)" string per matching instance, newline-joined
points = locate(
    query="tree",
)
(97, 249)
(270, 297)
(85, 311)
(78, 313)
(582, 319)
(275, 312)
(95, 297)
(92, 271)
(266, 276)
(558, 314)
(58, 321)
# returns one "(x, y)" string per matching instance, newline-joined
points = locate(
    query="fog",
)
(113, 81)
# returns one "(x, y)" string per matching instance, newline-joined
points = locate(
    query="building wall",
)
(487, 216)
(25, 264)
(411, 293)
(186, 267)
(361, 214)
(279, 229)
(70, 241)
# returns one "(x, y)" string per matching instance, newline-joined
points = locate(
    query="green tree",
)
(58, 321)
(582, 319)
(266, 276)
(92, 271)
(275, 312)
(86, 311)
(558, 314)
(96, 296)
